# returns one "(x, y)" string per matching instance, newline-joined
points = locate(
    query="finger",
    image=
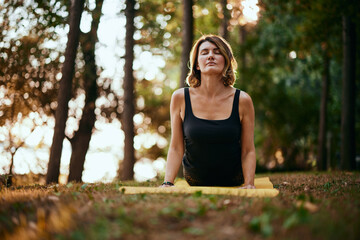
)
(248, 187)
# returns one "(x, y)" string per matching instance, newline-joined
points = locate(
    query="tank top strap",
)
(188, 109)
(235, 108)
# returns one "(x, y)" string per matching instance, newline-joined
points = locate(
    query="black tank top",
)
(212, 147)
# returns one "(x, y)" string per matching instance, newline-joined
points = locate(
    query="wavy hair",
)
(228, 74)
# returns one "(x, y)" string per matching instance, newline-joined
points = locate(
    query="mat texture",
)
(264, 188)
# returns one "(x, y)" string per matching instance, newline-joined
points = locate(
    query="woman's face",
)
(210, 60)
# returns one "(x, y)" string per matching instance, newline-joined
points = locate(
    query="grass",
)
(309, 205)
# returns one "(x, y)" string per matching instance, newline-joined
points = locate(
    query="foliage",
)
(29, 67)
(283, 75)
(157, 34)
(29, 70)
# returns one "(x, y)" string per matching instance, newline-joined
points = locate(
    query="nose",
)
(211, 55)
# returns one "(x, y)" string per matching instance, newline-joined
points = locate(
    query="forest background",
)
(100, 74)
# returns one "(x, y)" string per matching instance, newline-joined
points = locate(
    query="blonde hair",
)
(194, 75)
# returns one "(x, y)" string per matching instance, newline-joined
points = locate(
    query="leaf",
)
(194, 231)
(262, 224)
(255, 224)
(291, 221)
(197, 194)
(307, 205)
(327, 185)
(84, 186)
(54, 198)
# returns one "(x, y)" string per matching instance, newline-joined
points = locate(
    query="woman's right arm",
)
(176, 149)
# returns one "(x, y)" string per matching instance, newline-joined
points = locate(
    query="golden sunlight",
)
(250, 11)
(279, 156)
(243, 12)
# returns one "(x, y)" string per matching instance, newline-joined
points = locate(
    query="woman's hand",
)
(167, 184)
(248, 186)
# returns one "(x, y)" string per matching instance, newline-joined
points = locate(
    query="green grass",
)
(309, 206)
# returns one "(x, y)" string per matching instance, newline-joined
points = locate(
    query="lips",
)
(211, 63)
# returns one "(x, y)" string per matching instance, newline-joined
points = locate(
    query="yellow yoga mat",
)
(264, 188)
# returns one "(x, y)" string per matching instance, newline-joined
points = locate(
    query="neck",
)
(211, 85)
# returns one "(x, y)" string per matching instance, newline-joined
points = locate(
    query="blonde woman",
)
(212, 123)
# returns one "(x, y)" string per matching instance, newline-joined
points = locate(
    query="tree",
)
(315, 15)
(13, 142)
(348, 94)
(28, 70)
(187, 39)
(223, 31)
(65, 91)
(322, 151)
(281, 85)
(80, 141)
(158, 23)
(128, 85)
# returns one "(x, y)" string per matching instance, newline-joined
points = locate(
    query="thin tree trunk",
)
(64, 95)
(12, 152)
(82, 137)
(9, 180)
(187, 39)
(242, 33)
(128, 85)
(348, 96)
(321, 152)
(225, 21)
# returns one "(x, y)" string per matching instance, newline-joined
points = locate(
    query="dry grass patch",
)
(309, 205)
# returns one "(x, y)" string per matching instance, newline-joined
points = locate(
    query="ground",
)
(309, 206)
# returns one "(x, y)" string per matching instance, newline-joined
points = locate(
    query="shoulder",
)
(244, 98)
(178, 98)
(178, 95)
(178, 92)
(246, 106)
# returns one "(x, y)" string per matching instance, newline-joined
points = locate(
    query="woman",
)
(212, 123)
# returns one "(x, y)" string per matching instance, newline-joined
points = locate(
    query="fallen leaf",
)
(227, 201)
(308, 206)
(228, 230)
(53, 198)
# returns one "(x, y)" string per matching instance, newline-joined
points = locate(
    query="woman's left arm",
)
(248, 155)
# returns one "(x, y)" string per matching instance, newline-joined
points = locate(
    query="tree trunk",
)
(11, 142)
(9, 180)
(348, 96)
(128, 85)
(82, 137)
(64, 95)
(187, 39)
(225, 21)
(321, 152)
(242, 33)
